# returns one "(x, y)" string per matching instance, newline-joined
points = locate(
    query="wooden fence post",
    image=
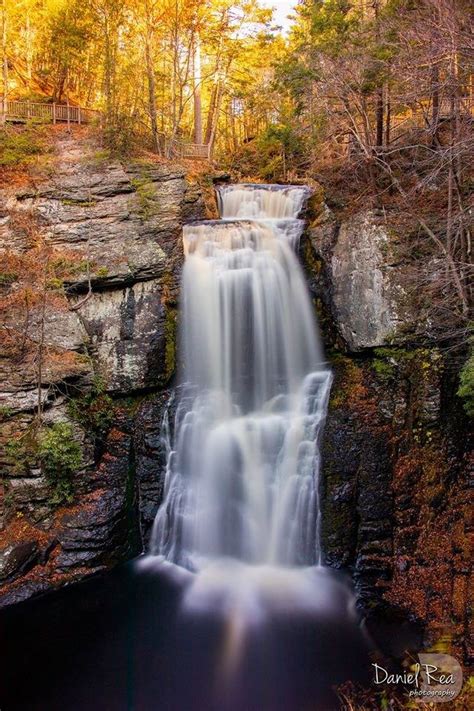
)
(54, 112)
(79, 115)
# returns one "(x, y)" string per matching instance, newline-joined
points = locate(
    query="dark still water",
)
(155, 637)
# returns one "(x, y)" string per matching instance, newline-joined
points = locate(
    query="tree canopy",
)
(372, 98)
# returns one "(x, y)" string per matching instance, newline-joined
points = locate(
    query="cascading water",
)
(237, 533)
(242, 473)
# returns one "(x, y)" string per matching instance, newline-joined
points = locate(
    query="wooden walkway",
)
(55, 113)
(65, 113)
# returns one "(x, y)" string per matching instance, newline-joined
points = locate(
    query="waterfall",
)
(242, 473)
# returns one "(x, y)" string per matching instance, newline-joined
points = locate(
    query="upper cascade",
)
(261, 201)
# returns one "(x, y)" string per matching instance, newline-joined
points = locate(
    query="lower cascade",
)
(243, 459)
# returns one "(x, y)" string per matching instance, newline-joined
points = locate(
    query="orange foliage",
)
(20, 530)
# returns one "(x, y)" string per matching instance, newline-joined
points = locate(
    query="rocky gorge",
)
(395, 451)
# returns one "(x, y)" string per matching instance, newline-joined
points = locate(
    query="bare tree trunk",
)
(111, 18)
(59, 89)
(29, 46)
(232, 126)
(197, 90)
(151, 90)
(108, 73)
(174, 75)
(434, 103)
(213, 118)
(449, 216)
(379, 103)
(163, 94)
(212, 138)
(379, 119)
(388, 117)
(4, 64)
(210, 113)
(181, 82)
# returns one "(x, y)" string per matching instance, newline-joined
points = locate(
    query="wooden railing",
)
(64, 113)
(24, 110)
(171, 147)
(180, 149)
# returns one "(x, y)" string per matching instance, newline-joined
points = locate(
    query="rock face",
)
(368, 283)
(365, 297)
(125, 219)
(121, 224)
(98, 531)
(153, 426)
(131, 335)
(395, 447)
(102, 528)
(395, 480)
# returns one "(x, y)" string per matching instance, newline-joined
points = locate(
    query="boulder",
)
(18, 559)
